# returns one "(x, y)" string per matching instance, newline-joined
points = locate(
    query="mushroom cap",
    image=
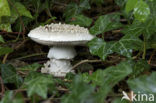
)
(60, 34)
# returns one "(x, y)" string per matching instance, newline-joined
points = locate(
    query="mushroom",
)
(61, 38)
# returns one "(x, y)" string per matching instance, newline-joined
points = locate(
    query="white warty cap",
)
(60, 34)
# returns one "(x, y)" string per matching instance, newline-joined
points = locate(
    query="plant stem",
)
(28, 56)
(144, 52)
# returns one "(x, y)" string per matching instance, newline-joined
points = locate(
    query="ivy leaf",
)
(9, 97)
(95, 45)
(141, 11)
(135, 29)
(127, 44)
(121, 70)
(80, 19)
(139, 28)
(152, 6)
(5, 50)
(71, 10)
(4, 8)
(1, 39)
(81, 92)
(9, 75)
(124, 46)
(152, 42)
(108, 78)
(37, 83)
(31, 67)
(140, 67)
(144, 84)
(106, 23)
(22, 10)
(120, 3)
(130, 5)
(99, 47)
(84, 4)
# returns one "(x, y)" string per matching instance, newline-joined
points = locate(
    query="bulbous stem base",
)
(57, 67)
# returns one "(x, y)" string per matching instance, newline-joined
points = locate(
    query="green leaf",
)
(152, 42)
(95, 45)
(139, 28)
(141, 11)
(4, 8)
(71, 10)
(6, 27)
(111, 75)
(108, 78)
(106, 23)
(1, 39)
(140, 67)
(120, 3)
(37, 83)
(152, 6)
(31, 67)
(9, 75)
(80, 92)
(81, 20)
(144, 84)
(5, 50)
(84, 4)
(127, 44)
(22, 10)
(135, 29)
(99, 47)
(19, 99)
(124, 46)
(9, 97)
(130, 5)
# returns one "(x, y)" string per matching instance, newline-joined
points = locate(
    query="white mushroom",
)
(62, 37)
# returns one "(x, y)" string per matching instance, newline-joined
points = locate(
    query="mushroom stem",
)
(59, 64)
(61, 52)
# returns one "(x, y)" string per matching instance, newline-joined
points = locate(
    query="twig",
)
(154, 65)
(23, 73)
(144, 52)
(59, 3)
(32, 55)
(5, 58)
(135, 57)
(62, 89)
(116, 31)
(18, 46)
(149, 61)
(18, 90)
(2, 86)
(85, 61)
(5, 32)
